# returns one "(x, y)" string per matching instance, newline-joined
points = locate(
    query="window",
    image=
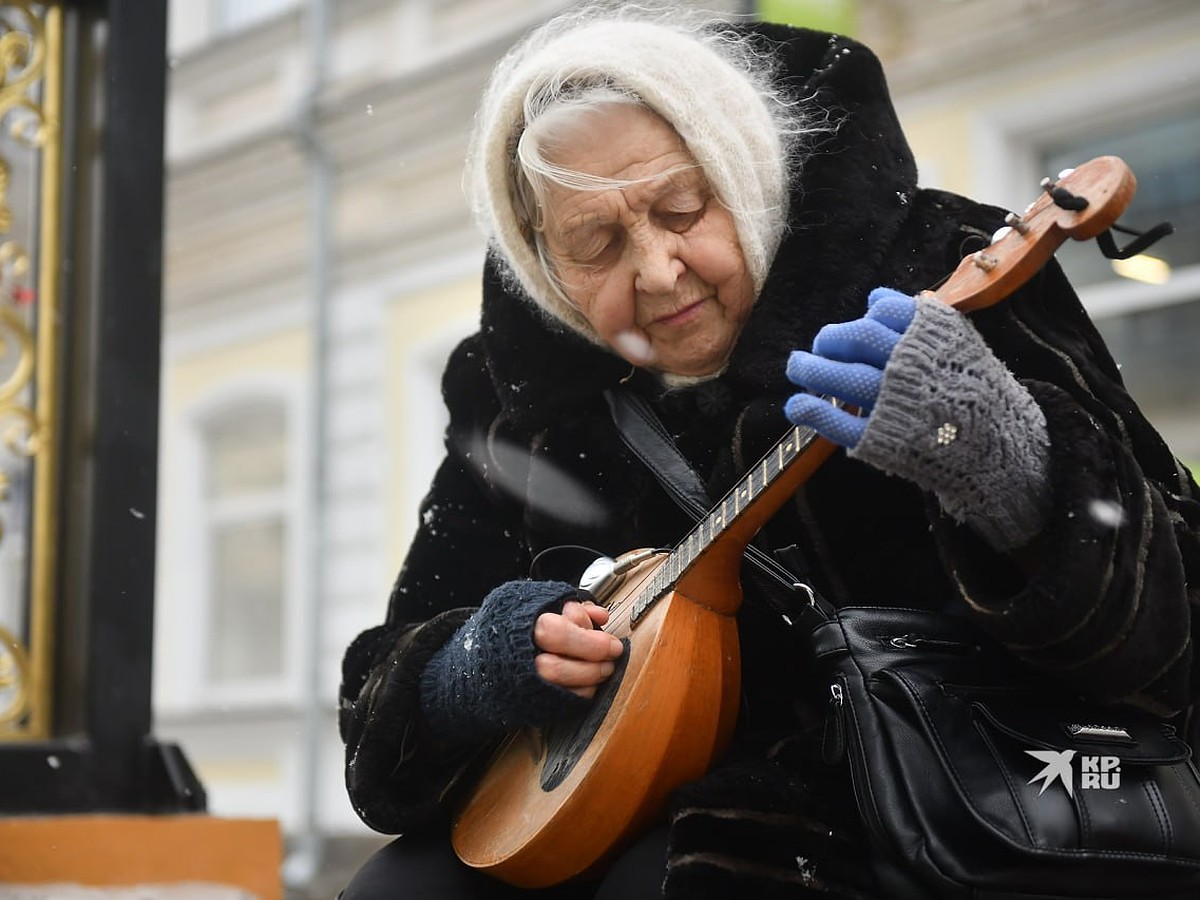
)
(230, 15)
(1156, 349)
(244, 499)
(1164, 154)
(1154, 340)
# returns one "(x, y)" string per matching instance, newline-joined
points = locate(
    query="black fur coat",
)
(533, 461)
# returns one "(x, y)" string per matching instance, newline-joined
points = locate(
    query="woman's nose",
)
(658, 267)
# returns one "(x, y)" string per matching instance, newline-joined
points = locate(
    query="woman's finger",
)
(856, 383)
(585, 614)
(826, 419)
(559, 634)
(573, 674)
(597, 613)
(861, 341)
(892, 308)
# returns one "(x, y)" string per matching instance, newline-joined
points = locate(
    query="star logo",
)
(1058, 765)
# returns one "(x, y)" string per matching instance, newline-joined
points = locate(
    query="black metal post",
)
(103, 756)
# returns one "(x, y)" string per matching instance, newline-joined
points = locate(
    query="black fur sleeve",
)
(1106, 610)
(1109, 610)
(399, 776)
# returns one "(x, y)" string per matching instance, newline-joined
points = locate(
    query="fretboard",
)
(716, 523)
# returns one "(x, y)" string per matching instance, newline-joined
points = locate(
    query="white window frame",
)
(193, 576)
(423, 369)
(225, 23)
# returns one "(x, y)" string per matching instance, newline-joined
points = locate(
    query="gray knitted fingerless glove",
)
(951, 418)
(483, 682)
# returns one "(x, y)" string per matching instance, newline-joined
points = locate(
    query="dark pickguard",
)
(567, 740)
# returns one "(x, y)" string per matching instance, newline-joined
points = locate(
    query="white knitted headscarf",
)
(711, 87)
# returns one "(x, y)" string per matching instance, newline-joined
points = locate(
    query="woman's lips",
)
(681, 316)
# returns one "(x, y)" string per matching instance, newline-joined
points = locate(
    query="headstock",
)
(1083, 203)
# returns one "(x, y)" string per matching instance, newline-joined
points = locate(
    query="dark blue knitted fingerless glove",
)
(483, 682)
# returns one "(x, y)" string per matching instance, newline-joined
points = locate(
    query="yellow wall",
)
(282, 352)
(416, 323)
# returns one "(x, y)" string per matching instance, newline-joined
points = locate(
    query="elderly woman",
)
(686, 211)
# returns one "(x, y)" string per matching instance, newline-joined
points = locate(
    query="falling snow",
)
(807, 869)
(1107, 512)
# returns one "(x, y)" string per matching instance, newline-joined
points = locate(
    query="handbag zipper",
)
(833, 742)
(915, 641)
(859, 780)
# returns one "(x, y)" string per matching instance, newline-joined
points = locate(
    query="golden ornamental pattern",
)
(14, 679)
(30, 181)
(22, 64)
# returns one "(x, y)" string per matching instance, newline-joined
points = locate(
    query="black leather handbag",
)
(975, 780)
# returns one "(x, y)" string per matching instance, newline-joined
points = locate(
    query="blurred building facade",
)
(320, 264)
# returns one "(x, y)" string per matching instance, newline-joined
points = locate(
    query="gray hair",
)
(534, 172)
(713, 86)
(548, 117)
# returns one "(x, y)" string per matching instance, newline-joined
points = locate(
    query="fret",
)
(788, 449)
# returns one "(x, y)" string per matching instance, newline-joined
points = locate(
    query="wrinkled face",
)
(656, 267)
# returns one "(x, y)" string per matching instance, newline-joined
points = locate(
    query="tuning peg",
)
(1062, 197)
(1016, 223)
(984, 261)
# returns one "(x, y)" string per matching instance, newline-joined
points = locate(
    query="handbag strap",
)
(644, 434)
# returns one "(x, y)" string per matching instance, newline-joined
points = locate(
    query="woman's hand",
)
(942, 411)
(576, 654)
(532, 654)
(847, 362)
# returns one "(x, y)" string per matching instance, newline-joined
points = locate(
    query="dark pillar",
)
(101, 754)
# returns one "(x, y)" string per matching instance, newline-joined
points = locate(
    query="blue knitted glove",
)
(847, 362)
(941, 411)
(483, 682)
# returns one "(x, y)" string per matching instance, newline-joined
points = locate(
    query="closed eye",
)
(596, 251)
(681, 220)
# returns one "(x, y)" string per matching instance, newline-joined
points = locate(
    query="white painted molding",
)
(427, 420)
(185, 580)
